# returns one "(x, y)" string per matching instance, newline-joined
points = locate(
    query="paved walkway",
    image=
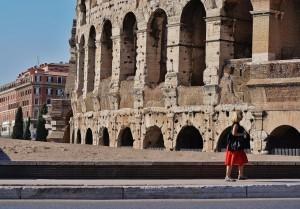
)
(148, 189)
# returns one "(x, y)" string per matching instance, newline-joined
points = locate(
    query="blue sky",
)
(31, 29)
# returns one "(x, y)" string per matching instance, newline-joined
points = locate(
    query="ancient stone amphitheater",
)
(167, 74)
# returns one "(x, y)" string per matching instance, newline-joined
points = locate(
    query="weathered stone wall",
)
(158, 72)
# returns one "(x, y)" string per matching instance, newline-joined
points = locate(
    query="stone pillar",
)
(86, 63)
(258, 134)
(139, 81)
(115, 78)
(219, 47)
(266, 30)
(79, 85)
(96, 93)
(171, 81)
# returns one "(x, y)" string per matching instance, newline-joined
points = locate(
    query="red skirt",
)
(236, 158)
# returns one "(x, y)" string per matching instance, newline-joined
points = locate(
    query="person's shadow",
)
(3, 156)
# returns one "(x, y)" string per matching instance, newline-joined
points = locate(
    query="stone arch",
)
(106, 50)
(222, 141)
(156, 58)
(283, 138)
(241, 22)
(89, 137)
(189, 138)
(125, 138)
(82, 9)
(80, 68)
(192, 44)
(91, 60)
(154, 138)
(128, 47)
(78, 137)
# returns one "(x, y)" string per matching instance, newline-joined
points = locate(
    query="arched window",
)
(126, 138)
(106, 50)
(82, 8)
(157, 48)
(189, 138)
(192, 44)
(105, 136)
(91, 60)
(284, 140)
(78, 138)
(242, 27)
(128, 47)
(154, 138)
(89, 137)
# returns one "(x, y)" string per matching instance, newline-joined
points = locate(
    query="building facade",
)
(31, 90)
(168, 74)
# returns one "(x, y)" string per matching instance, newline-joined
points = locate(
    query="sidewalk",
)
(148, 189)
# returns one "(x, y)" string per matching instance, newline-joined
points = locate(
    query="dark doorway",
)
(126, 138)
(284, 140)
(154, 139)
(105, 137)
(189, 138)
(89, 137)
(78, 137)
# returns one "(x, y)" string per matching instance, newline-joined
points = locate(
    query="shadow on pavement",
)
(3, 156)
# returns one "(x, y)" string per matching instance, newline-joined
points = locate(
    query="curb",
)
(149, 192)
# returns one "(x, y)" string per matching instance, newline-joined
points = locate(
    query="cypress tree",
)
(18, 127)
(27, 134)
(41, 131)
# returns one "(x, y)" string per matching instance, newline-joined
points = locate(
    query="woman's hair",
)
(237, 116)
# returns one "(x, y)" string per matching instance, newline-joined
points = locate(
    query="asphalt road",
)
(154, 204)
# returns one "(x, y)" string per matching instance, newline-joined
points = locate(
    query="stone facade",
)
(168, 74)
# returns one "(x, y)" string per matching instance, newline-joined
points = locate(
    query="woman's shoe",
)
(228, 179)
(242, 178)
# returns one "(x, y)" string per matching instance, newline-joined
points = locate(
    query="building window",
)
(49, 79)
(59, 80)
(37, 78)
(49, 91)
(37, 90)
(36, 101)
(48, 101)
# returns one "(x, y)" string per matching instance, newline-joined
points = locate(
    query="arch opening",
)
(80, 68)
(156, 59)
(126, 138)
(89, 137)
(82, 8)
(192, 44)
(284, 140)
(105, 137)
(189, 138)
(78, 138)
(106, 50)
(92, 60)
(128, 47)
(154, 139)
(241, 26)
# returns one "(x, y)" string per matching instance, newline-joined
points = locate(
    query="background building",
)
(32, 89)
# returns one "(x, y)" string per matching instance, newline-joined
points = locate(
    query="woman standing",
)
(235, 154)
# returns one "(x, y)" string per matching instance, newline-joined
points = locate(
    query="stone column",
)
(258, 134)
(139, 81)
(115, 78)
(171, 81)
(96, 93)
(266, 30)
(86, 63)
(219, 47)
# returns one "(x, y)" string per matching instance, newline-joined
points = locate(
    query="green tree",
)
(18, 127)
(27, 134)
(41, 131)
